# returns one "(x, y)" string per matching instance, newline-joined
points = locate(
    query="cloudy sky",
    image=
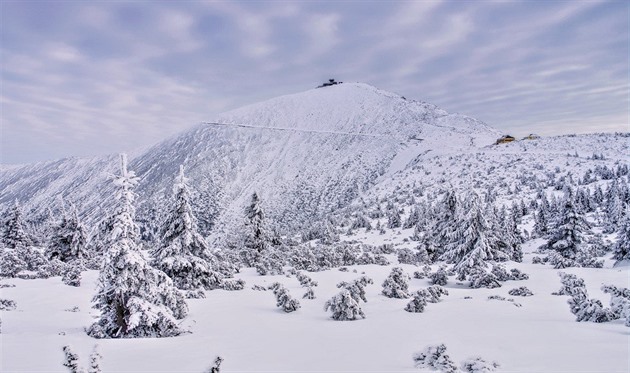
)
(83, 78)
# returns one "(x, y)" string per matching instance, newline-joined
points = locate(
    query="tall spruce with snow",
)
(622, 247)
(473, 242)
(135, 299)
(14, 235)
(256, 234)
(68, 242)
(567, 236)
(183, 254)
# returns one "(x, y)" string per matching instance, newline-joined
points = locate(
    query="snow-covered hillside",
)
(307, 154)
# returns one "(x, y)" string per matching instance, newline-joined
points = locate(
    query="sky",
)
(87, 78)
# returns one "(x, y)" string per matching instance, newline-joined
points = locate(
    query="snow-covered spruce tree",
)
(71, 360)
(567, 236)
(396, 285)
(284, 300)
(581, 306)
(256, 242)
(344, 307)
(216, 366)
(72, 276)
(14, 236)
(69, 238)
(418, 302)
(183, 254)
(473, 243)
(135, 299)
(621, 249)
(435, 358)
(439, 277)
(393, 218)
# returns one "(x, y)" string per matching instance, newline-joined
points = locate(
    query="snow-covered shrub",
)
(478, 365)
(72, 276)
(10, 263)
(517, 275)
(310, 294)
(435, 293)
(344, 307)
(421, 297)
(69, 239)
(216, 367)
(413, 257)
(435, 358)
(569, 282)
(233, 285)
(522, 291)
(538, 260)
(482, 279)
(55, 267)
(195, 294)
(71, 360)
(560, 262)
(305, 280)
(418, 302)
(7, 305)
(283, 298)
(619, 302)
(439, 277)
(589, 310)
(396, 285)
(259, 288)
(356, 287)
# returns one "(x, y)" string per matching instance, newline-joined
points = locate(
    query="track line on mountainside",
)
(305, 130)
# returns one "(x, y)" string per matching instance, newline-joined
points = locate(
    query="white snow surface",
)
(253, 335)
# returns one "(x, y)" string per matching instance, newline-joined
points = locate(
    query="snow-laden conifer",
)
(256, 241)
(473, 243)
(619, 302)
(69, 238)
(396, 285)
(344, 307)
(15, 236)
(135, 299)
(284, 300)
(183, 254)
(478, 365)
(435, 358)
(621, 249)
(567, 236)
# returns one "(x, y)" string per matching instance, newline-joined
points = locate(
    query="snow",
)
(252, 334)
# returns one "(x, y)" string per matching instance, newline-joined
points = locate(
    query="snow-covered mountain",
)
(306, 154)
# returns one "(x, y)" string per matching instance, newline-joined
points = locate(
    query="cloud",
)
(91, 78)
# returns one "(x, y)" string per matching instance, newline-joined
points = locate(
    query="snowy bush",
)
(396, 285)
(418, 302)
(71, 361)
(619, 302)
(482, 279)
(195, 294)
(569, 282)
(310, 294)
(216, 366)
(233, 285)
(435, 293)
(409, 256)
(435, 358)
(522, 291)
(344, 307)
(305, 280)
(283, 298)
(7, 305)
(478, 365)
(356, 287)
(72, 276)
(439, 277)
(10, 263)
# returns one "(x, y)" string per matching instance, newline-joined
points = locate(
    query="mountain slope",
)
(306, 154)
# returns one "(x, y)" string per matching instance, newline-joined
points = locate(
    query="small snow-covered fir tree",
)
(135, 299)
(14, 234)
(473, 243)
(69, 238)
(344, 307)
(396, 285)
(435, 358)
(567, 236)
(256, 233)
(622, 247)
(71, 360)
(183, 254)
(284, 300)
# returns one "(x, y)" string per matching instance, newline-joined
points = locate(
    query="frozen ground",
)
(251, 334)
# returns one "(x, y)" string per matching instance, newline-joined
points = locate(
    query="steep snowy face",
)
(306, 154)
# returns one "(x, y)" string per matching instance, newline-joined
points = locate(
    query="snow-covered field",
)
(247, 329)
